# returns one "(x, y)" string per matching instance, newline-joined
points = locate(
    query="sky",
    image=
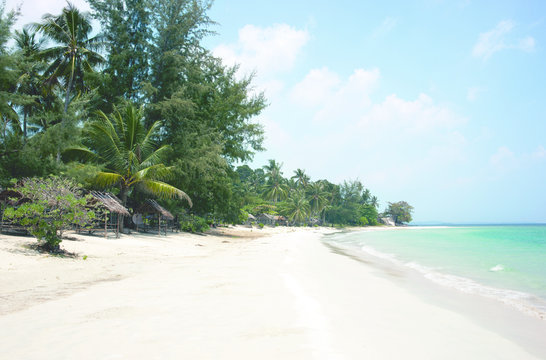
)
(438, 103)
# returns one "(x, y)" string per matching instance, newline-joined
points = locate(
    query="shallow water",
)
(507, 263)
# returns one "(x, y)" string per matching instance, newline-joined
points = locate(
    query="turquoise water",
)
(507, 263)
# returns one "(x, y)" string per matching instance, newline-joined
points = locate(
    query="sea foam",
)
(522, 301)
(498, 267)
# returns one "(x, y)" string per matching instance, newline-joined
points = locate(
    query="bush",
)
(194, 224)
(243, 216)
(56, 204)
(261, 225)
(362, 221)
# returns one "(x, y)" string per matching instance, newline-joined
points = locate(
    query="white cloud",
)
(498, 39)
(473, 93)
(264, 50)
(410, 117)
(389, 144)
(333, 98)
(317, 86)
(503, 159)
(32, 10)
(388, 24)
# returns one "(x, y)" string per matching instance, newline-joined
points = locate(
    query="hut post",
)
(106, 224)
(117, 227)
(159, 224)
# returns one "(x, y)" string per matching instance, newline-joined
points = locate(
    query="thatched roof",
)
(110, 202)
(251, 217)
(152, 207)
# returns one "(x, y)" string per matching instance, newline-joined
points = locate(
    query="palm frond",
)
(82, 153)
(106, 179)
(155, 157)
(163, 190)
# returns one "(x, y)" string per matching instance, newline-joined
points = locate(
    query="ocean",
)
(506, 263)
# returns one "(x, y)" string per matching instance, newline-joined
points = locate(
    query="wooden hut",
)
(163, 216)
(272, 220)
(109, 208)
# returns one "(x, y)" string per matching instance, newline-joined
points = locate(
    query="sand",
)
(238, 294)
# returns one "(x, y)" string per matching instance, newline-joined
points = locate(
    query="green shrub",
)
(362, 221)
(261, 225)
(194, 224)
(243, 216)
(56, 204)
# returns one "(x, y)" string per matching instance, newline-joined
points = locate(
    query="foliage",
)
(298, 208)
(194, 224)
(129, 152)
(74, 53)
(56, 204)
(369, 212)
(243, 216)
(400, 212)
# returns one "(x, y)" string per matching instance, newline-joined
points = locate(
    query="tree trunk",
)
(123, 194)
(69, 89)
(66, 98)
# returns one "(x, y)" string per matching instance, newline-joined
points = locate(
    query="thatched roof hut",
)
(110, 202)
(151, 206)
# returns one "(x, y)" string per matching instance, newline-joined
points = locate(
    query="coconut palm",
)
(366, 197)
(374, 202)
(130, 154)
(297, 207)
(317, 197)
(275, 188)
(73, 52)
(301, 178)
(29, 82)
(273, 170)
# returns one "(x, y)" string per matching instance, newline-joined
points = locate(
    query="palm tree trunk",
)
(123, 194)
(69, 87)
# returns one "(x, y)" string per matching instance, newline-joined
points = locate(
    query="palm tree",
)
(131, 156)
(275, 188)
(273, 170)
(301, 178)
(366, 197)
(317, 197)
(374, 202)
(74, 51)
(298, 207)
(28, 84)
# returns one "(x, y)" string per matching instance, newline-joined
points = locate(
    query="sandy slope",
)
(221, 297)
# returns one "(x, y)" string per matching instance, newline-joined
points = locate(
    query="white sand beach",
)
(238, 295)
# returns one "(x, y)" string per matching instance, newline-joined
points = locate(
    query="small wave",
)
(498, 267)
(524, 302)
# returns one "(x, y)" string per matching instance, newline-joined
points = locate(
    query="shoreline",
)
(520, 326)
(230, 295)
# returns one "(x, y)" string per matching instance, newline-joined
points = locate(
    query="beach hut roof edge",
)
(152, 206)
(110, 202)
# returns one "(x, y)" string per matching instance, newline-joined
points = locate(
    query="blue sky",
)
(439, 103)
